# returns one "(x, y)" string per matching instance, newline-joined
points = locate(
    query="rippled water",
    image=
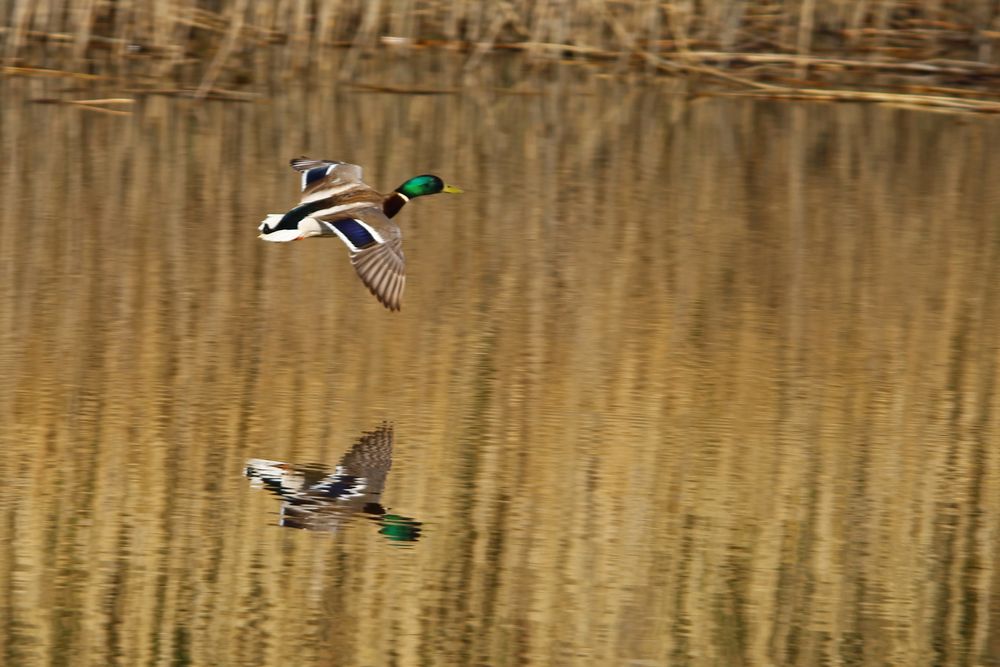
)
(705, 382)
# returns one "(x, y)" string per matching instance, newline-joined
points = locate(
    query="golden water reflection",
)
(674, 382)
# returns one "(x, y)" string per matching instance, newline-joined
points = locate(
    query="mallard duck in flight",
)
(335, 202)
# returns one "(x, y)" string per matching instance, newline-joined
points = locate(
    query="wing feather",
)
(323, 175)
(382, 268)
(304, 163)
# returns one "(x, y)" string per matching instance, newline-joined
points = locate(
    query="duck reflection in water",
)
(316, 497)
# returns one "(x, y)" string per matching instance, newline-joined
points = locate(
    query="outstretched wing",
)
(382, 269)
(321, 176)
(376, 246)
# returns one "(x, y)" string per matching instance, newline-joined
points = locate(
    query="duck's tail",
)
(268, 230)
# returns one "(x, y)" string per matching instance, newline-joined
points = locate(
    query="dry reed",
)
(794, 47)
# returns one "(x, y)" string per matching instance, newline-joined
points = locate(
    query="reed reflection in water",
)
(707, 383)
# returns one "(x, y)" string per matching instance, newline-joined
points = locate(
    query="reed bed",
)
(920, 51)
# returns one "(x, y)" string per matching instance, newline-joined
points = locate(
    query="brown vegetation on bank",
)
(939, 54)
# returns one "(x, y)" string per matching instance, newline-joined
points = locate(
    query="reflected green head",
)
(427, 184)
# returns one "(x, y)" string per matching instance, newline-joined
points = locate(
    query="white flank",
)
(310, 227)
(306, 227)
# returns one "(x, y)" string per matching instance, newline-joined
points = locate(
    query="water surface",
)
(705, 382)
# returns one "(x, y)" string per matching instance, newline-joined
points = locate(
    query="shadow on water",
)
(325, 498)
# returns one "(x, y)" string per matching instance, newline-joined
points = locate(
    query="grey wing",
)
(376, 247)
(382, 268)
(325, 174)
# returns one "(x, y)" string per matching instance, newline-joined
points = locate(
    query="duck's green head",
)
(426, 184)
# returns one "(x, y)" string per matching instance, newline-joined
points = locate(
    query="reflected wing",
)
(324, 175)
(371, 456)
(369, 459)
